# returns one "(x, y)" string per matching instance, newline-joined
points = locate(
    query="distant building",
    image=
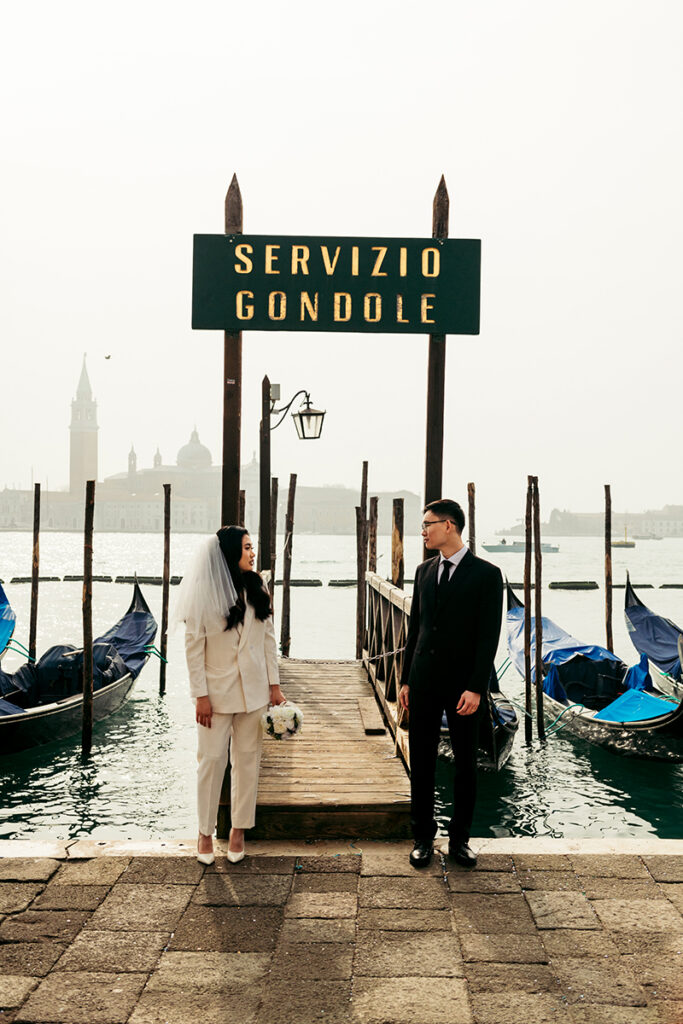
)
(132, 501)
(665, 522)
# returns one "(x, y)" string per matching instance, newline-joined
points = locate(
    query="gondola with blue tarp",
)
(589, 691)
(42, 702)
(656, 637)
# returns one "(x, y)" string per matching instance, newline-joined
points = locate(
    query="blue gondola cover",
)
(8, 620)
(634, 706)
(652, 634)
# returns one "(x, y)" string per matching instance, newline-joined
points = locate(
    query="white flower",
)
(279, 727)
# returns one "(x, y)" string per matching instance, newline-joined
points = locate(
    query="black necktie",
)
(442, 588)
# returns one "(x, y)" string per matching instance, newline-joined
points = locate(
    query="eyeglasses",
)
(426, 523)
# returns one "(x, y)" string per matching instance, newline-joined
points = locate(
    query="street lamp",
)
(309, 424)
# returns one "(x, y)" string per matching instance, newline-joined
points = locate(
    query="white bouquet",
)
(282, 721)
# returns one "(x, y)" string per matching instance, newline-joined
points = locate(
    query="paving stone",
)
(17, 896)
(562, 910)
(640, 915)
(83, 998)
(99, 871)
(328, 864)
(188, 1007)
(571, 942)
(33, 869)
(405, 920)
(394, 954)
(396, 863)
(661, 977)
(339, 882)
(308, 929)
(484, 913)
(492, 862)
(34, 958)
(411, 1000)
(674, 893)
(511, 949)
(113, 952)
(539, 1008)
(588, 980)
(14, 988)
(223, 890)
(313, 961)
(141, 908)
(227, 929)
(169, 870)
(607, 888)
(483, 881)
(609, 865)
(601, 1014)
(665, 869)
(209, 971)
(322, 905)
(418, 892)
(652, 943)
(668, 1012)
(43, 926)
(288, 1004)
(70, 897)
(564, 881)
(492, 977)
(255, 866)
(542, 862)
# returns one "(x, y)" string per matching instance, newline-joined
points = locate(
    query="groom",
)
(453, 636)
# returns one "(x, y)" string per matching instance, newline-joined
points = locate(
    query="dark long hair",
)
(230, 540)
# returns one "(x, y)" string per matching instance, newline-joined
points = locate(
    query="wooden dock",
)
(340, 778)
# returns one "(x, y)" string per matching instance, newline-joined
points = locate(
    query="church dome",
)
(194, 455)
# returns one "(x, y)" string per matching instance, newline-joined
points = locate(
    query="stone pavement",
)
(98, 934)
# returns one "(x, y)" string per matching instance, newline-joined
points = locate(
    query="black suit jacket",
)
(453, 645)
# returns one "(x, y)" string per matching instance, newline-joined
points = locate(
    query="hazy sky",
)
(558, 128)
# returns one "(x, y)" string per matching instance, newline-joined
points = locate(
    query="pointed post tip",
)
(233, 208)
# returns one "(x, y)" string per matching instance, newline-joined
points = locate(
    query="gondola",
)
(7, 621)
(43, 703)
(596, 695)
(497, 729)
(658, 638)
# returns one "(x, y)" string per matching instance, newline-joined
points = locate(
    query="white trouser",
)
(241, 733)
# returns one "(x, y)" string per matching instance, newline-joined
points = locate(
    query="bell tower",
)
(83, 429)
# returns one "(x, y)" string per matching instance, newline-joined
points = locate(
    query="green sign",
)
(290, 283)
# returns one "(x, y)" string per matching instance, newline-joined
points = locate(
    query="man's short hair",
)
(445, 508)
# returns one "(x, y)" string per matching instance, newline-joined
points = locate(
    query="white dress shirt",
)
(454, 560)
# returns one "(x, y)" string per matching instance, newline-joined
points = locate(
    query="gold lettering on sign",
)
(426, 307)
(399, 311)
(245, 311)
(329, 265)
(300, 257)
(241, 254)
(342, 307)
(354, 261)
(403, 261)
(431, 268)
(309, 307)
(277, 305)
(381, 251)
(271, 258)
(369, 315)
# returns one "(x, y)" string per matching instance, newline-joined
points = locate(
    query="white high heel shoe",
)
(206, 858)
(235, 857)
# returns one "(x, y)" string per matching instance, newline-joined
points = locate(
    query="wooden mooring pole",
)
(242, 508)
(285, 628)
(264, 478)
(527, 614)
(372, 534)
(163, 643)
(35, 572)
(232, 383)
(361, 562)
(273, 532)
(470, 518)
(538, 639)
(86, 740)
(608, 569)
(397, 566)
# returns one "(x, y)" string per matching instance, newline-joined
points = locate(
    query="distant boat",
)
(43, 703)
(625, 543)
(658, 638)
(596, 695)
(519, 546)
(8, 621)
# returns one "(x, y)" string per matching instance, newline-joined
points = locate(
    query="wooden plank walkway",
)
(335, 780)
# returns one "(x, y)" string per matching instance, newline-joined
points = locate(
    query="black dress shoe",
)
(462, 854)
(421, 854)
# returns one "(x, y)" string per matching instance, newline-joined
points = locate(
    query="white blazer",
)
(235, 668)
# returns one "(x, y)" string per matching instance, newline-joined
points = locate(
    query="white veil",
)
(206, 593)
